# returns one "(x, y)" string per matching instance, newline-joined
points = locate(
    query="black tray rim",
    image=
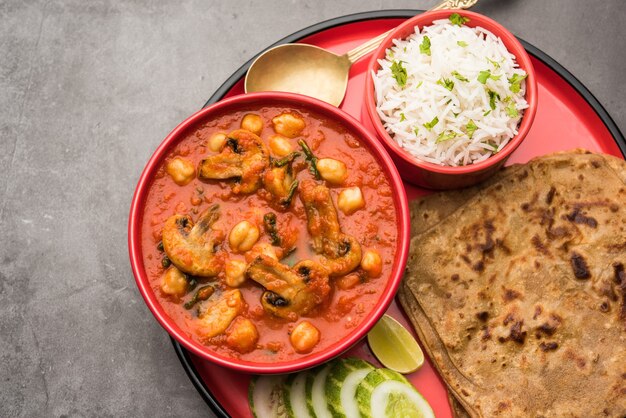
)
(183, 355)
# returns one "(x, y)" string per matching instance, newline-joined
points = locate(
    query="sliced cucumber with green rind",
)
(265, 396)
(315, 396)
(387, 394)
(295, 396)
(341, 383)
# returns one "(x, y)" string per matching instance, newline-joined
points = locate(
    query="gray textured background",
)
(88, 89)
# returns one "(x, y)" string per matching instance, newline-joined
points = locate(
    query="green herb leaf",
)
(516, 82)
(285, 160)
(430, 125)
(458, 20)
(493, 146)
(496, 64)
(446, 82)
(419, 85)
(402, 117)
(470, 128)
(286, 201)
(269, 223)
(416, 131)
(483, 76)
(459, 76)
(425, 46)
(511, 110)
(492, 99)
(310, 158)
(461, 43)
(399, 73)
(486, 113)
(203, 293)
(445, 136)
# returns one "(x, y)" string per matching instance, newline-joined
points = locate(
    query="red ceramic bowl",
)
(236, 103)
(434, 176)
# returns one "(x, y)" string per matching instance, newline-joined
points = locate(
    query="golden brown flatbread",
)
(517, 288)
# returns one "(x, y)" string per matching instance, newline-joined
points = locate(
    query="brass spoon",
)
(313, 71)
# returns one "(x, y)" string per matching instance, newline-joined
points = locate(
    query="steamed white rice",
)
(429, 119)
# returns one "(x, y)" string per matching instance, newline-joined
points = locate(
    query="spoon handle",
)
(360, 51)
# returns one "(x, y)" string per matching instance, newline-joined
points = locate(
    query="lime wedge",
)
(394, 346)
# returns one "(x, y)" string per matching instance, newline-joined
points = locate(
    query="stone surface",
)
(88, 89)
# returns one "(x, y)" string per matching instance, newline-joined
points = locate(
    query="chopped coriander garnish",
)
(461, 43)
(470, 128)
(399, 73)
(390, 54)
(416, 131)
(445, 136)
(419, 84)
(458, 20)
(511, 110)
(404, 49)
(516, 82)
(425, 46)
(496, 64)
(430, 125)
(492, 99)
(402, 117)
(483, 76)
(448, 102)
(487, 112)
(493, 146)
(455, 114)
(446, 82)
(459, 76)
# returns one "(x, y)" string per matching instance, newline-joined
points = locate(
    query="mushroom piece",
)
(290, 292)
(244, 158)
(280, 183)
(342, 252)
(216, 315)
(192, 247)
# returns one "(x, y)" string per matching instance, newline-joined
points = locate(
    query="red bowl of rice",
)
(454, 140)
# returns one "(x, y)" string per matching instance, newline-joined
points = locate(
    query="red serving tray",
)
(568, 117)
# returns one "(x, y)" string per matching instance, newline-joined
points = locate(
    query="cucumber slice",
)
(341, 383)
(265, 396)
(295, 396)
(315, 396)
(387, 394)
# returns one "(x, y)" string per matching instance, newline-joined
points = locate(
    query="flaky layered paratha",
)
(517, 288)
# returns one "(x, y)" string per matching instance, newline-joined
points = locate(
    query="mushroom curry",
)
(269, 233)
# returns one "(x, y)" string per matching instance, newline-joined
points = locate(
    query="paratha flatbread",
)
(518, 292)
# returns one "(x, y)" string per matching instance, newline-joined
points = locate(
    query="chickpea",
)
(217, 141)
(243, 236)
(333, 171)
(288, 124)
(372, 263)
(242, 335)
(252, 123)
(235, 272)
(350, 200)
(174, 282)
(304, 337)
(348, 282)
(181, 170)
(280, 145)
